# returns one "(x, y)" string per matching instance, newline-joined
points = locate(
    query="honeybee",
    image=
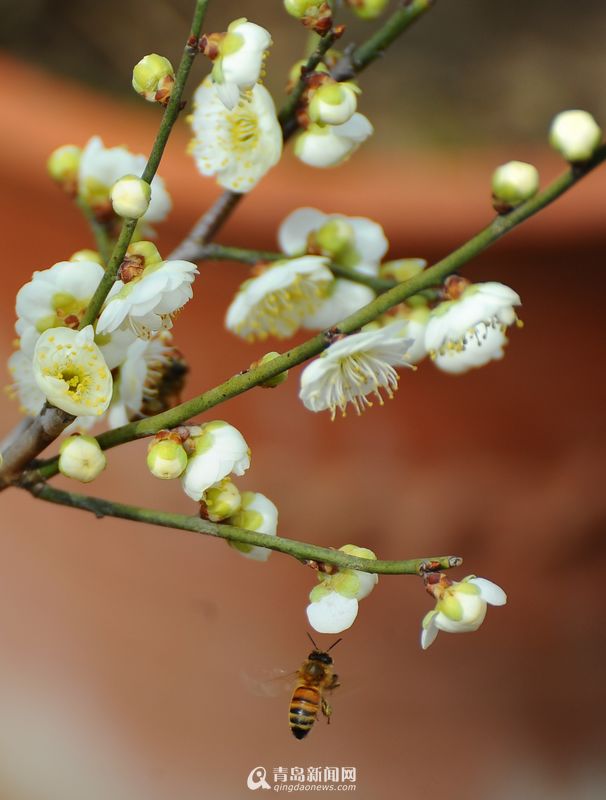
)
(314, 678)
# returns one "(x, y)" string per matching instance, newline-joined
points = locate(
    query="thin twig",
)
(98, 229)
(219, 252)
(299, 550)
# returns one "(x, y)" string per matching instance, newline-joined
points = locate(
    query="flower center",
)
(359, 375)
(280, 313)
(244, 131)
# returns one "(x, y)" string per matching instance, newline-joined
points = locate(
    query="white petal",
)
(428, 634)
(489, 591)
(333, 613)
(344, 299)
(294, 230)
(229, 94)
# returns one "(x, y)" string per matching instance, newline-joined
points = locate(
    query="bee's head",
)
(321, 656)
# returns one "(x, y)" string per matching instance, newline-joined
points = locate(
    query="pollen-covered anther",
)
(356, 369)
(275, 302)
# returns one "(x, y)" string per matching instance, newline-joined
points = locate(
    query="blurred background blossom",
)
(124, 648)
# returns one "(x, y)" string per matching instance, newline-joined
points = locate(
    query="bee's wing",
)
(268, 682)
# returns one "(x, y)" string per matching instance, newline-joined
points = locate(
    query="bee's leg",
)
(326, 710)
(334, 683)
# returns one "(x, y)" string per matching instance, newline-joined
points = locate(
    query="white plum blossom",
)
(330, 145)
(99, 169)
(25, 389)
(57, 296)
(236, 146)
(71, 373)
(276, 301)
(356, 243)
(219, 449)
(334, 602)
(455, 324)
(257, 513)
(140, 373)
(486, 344)
(148, 302)
(355, 367)
(353, 242)
(461, 605)
(81, 458)
(238, 59)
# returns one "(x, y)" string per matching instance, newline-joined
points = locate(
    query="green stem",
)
(375, 46)
(424, 280)
(98, 229)
(299, 550)
(287, 115)
(219, 252)
(169, 118)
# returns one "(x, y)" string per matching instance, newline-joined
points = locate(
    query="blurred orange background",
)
(125, 648)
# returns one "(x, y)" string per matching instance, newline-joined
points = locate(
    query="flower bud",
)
(153, 78)
(130, 197)
(270, 383)
(87, 255)
(300, 8)
(166, 459)
(367, 9)
(333, 103)
(257, 513)
(575, 134)
(63, 166)
(81, 458)
(314, 14)
(220, 501)
(336, 239)
(402, 269)
(513, 183)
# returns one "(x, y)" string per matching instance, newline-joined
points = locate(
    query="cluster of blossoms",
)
(465, 328)
(204, 457)
(237, 136)
(460, 605)
(122, 363)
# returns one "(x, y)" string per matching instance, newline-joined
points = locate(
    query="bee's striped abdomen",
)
(303, 710)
